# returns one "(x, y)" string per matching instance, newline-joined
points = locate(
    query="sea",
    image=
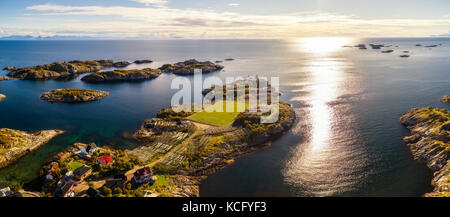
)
(347, 140)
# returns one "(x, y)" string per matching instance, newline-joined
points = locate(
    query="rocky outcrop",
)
(361, 46)
(430, 143)
(387, 51)
(142, 61)
(9, 68)
(121, 64)
(2, 78)
(404, 56)
(14, 144)
(2, 97)
(446, 99)
(186, 186)
(376, 46)
(60, 69)
(122, 75)
(73, 95)
(187, 67)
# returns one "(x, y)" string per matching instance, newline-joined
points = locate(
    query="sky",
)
(224, 19)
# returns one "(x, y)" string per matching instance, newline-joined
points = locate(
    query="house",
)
(81, 173)
(60, 156)
(91, 148)
(105, 160)
(92, 192)
(143, 175)
(5, 191)
(51, 172)
(65, 190)
(115, 183)
(85, 153)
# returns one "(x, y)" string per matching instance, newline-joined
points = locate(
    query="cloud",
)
(165, 22)
(158, 3)
(234, 4)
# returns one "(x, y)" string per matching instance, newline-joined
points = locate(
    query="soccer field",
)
(217, 118)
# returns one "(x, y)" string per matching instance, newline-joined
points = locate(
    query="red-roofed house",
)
(105, 160)
(143, 175)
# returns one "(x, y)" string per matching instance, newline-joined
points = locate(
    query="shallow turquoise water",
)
(347, 141)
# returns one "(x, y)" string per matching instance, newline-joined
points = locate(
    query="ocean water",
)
(347, 140)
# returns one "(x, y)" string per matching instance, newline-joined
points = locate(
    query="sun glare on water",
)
(322, 45)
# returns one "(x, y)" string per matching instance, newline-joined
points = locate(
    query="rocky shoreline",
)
(73, 95)
(122, 75)
(15, 144)
(430, 143)
(446, 99)
(3, 78)
(187, 67)
(59, 70)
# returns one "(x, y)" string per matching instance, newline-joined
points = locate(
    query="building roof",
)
(115, 183)
(91, 192)
(143, 171)
(105, 159)
(64, 188)
(82, 170)
(3, 185)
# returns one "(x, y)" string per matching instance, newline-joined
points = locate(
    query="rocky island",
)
(15, 144)
(73, 95)
(446, 99)
(142, 61)
(430, 143)
(9, 68)
(122, 75)
(60, 69)
(187, 67)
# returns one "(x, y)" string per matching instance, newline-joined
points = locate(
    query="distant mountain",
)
(29, 37)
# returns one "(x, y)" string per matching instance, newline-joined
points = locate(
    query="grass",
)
(75, 165)
(212, 116)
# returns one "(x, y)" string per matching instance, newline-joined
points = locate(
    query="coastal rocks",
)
(121, 64)
(9, 68)
(73, 95)
(186, 186)
(376, 46)
(2, 78)
(446, 99)
(229, 59)
(361, 46)
(387, 51)
(59, 69)
(430, 143)
(142, 61)
(404, 56)
(2, 97)
(15, 144)
(122, 75)
(187, 67)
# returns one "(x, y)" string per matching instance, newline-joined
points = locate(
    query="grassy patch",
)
(213, 115)
(75, 165)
